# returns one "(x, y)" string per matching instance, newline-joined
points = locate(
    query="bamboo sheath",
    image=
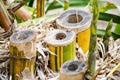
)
(79, 21)
(22, 53)
(73, 70)
(62, 43)
(4, 21)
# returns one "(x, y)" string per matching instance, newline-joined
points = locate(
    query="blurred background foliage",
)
(104, 7)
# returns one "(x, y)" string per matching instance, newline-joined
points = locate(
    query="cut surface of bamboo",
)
(73, 70)
(78, 21)
(62, 44)
(22, 53)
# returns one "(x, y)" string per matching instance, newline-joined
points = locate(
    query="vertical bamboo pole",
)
(4, 21)
(93, 39)
(62, 43)
(40, 8)
(73, 70)
(22, 52)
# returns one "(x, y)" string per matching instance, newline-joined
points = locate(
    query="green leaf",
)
(108, 17)
(101, 33)
(108, 7)
(117, 29)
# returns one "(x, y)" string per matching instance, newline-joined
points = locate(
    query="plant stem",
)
(93, 38)
(107, 35)
(66, 4)
(40, 8)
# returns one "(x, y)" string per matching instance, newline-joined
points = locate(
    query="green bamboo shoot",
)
(93, 38)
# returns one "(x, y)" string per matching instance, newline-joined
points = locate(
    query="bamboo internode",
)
(78, 21)
(62, 43)
(22, 53)
(73, 70)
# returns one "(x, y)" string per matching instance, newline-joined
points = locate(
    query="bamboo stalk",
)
(62, 43)
(40, 8)
(79, 21)
(93, 39)
(22, 52)
(4, 21)
(73, 70)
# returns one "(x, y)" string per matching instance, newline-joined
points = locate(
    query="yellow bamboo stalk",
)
(22, 53)
(40, 8)
(62, 43)
(73, 70)
(78, 21)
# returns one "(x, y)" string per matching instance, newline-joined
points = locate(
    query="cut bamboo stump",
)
(73, 70)
(22, 53)
(78, 21)
(62, 44)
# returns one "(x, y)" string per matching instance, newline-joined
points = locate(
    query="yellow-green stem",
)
(66, 4)
(93, 39)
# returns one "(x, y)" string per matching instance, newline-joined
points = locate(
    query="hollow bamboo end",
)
(76, 20)
(60, 37)
(73, 70)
